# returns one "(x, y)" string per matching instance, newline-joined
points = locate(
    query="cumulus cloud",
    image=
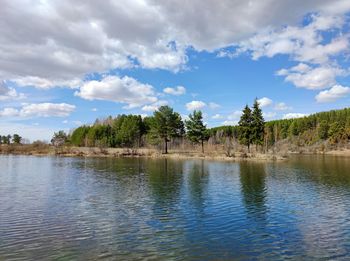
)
(49, 43)
(281, 106)
(269, 115)
(43, 83)
(301, 43)
(264, 102)
(304, 76)
(306, 44)
(8, 93)
(294, 115)
(333, 94)
(178, 90)
(195, 105)
(154, 106)
(39, 110)
(125, 90)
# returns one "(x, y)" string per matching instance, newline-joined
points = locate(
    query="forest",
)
(166, 127)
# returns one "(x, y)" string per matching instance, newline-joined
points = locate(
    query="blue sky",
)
(60, 69)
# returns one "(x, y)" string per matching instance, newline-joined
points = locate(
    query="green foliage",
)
(323, 129)
(16, 139)
(258, 125)
(196, 130)
(245, 127)
(78, 136)
(166, 125)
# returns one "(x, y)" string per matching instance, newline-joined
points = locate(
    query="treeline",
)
(10, 139)
(331, 126)
(165, 125)
(161, 128)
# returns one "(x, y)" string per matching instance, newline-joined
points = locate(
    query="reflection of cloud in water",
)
(323, 227)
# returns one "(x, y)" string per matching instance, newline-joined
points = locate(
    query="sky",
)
(65, 63)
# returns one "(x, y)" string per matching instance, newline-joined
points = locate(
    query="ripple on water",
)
(143, 209)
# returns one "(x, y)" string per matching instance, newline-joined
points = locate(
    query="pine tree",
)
(258, 124)
(167, 124)
(245, 127)
(16, 139)
(196, 130)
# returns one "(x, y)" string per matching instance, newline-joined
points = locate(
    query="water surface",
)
(54, 208)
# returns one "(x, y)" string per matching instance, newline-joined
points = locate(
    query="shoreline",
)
(96, 152)
(68, 151)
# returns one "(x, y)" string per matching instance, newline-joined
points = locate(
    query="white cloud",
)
(43, 83)
(301, 43)
(8, 93)
(228, 122)
(235, 115)
(281, 106)
(94, 109)
(154, 106)
(124, 90)
(52, 43)
(217, 116)
(269, 115)
(294, 115)
(179, 90)
(195, 105)
(213, 105)
(39, 110)
(264, 102)
(311, 78)
(333, 94)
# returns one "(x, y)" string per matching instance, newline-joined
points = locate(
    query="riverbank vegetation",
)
(165, 130)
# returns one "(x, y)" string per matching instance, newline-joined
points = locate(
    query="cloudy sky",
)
(64, 63)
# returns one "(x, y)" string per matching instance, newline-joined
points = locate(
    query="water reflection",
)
(253, 188)
(198, 179)
(161, 209)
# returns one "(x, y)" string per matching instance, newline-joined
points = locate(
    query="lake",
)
(54, 208)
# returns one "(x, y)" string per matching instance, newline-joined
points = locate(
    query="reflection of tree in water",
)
(331, 171)
(252, 177)
(165, 178)
(197, 181)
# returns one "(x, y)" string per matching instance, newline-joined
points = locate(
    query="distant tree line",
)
(10, 139)
(165, 125)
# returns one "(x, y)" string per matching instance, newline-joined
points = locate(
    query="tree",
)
(245, 127)
(59, 138)
(8, 138)
(196, 130)
(258, 124)
(323, 130)
(16, 139)
(167, 124)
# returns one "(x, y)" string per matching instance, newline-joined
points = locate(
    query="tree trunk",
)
(248, 148)
(202, 146)
(166, 146)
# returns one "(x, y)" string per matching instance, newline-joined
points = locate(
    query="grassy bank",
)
(71, 151)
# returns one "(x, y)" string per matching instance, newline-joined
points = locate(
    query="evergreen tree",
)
(196, 130)
(258, 124)
(16, 139)
(167, 124)
(245, 127)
